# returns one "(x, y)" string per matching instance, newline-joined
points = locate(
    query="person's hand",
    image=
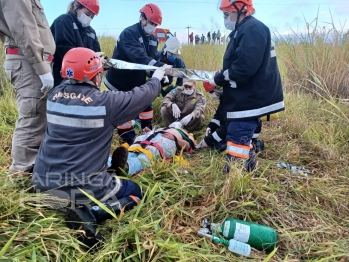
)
(167, 66)
(176, 111)
(202, 144)
(159, 73)
(186, 120)
(104, 60)
(47, 82)
(208, 131)
(166, 80)
(146, 130)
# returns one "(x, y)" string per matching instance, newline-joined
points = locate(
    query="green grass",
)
(310, 214)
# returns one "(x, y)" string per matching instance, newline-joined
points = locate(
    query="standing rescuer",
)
(73, 30)
(29, 47)
(250, 79)
(136, 44)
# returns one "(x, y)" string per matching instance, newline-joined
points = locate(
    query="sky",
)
(282, 16)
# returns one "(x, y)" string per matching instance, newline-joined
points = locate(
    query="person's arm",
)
(63, 32)
(199, 107)
(251, 47)
(169, 99)
(135, 50)
(25, 32)
(125, 105)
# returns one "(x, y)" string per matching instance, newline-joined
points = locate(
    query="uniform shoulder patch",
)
(193, 101)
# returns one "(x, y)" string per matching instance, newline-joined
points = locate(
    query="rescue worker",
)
(162, 143)
(74, 153)
(29, 47)
(136, 44)
(250, 79)
(171, 56)
(216, 131)
(185, 104)
(73, 30)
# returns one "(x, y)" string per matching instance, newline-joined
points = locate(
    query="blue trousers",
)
(239, 136)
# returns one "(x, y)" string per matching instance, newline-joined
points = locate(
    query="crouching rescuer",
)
(74, 153)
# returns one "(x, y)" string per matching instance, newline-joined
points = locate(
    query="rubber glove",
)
(159, 73)
(176, 111)
(47, 82)
(208, 131)
(202, 144)
(186, 120)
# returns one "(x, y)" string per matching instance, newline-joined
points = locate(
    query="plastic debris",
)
(294, 169)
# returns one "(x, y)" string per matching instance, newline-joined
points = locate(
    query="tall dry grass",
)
(310, 213)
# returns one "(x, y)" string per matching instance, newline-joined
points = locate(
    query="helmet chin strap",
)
(239, 14)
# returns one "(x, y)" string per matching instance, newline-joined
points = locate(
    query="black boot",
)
(83, 219)
(258, 145)
(119, 160)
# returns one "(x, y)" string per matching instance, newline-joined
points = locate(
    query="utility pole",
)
(188, 32)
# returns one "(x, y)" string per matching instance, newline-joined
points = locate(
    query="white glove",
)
(167, 66)
(232, 84)
(226, 75)
(166, 80)
(101, 56)
(202, 144)
(159, 73)
(47, 82)
(208, 131)
(176, 125)
(186, 120)
(176, 111)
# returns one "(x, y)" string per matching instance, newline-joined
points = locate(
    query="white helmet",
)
(173, 45)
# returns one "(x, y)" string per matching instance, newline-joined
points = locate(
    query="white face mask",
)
(189, 92)
(213, 95)
(84, 20)
(149, 29)
(229, 25)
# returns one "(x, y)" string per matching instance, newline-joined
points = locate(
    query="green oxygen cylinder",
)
(257, 236)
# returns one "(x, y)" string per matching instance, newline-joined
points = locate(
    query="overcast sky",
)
(204, 16)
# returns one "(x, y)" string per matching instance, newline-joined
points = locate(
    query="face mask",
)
(149, 29)
(213, 95)
(84, 20)
(229, 25)
(171, 58)
(188, 92)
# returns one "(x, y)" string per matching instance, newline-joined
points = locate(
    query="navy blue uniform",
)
(251, 86)
(168, 87)
(76, 145)
(136, 47)
(68, 33)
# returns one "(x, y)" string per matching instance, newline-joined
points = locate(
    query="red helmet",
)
(227, 5)
(208, 87)
(153, 13)
(92, 5)
(81, 64)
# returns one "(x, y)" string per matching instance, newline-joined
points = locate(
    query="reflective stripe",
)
(146, 115)
(75, 122)
(109, 85)
(236, 150)
(76, 110)
(126, 125)
(256, 112)
(75, 26)
(236, 33)
(152, 62)
(232, 84)
(92, 35)
(114, 191)
(153, 43)
(272, 53)
(217, 122)
(255, 135)
(141, 39)
(216, 137)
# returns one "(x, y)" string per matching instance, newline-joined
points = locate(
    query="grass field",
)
(310, 213)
